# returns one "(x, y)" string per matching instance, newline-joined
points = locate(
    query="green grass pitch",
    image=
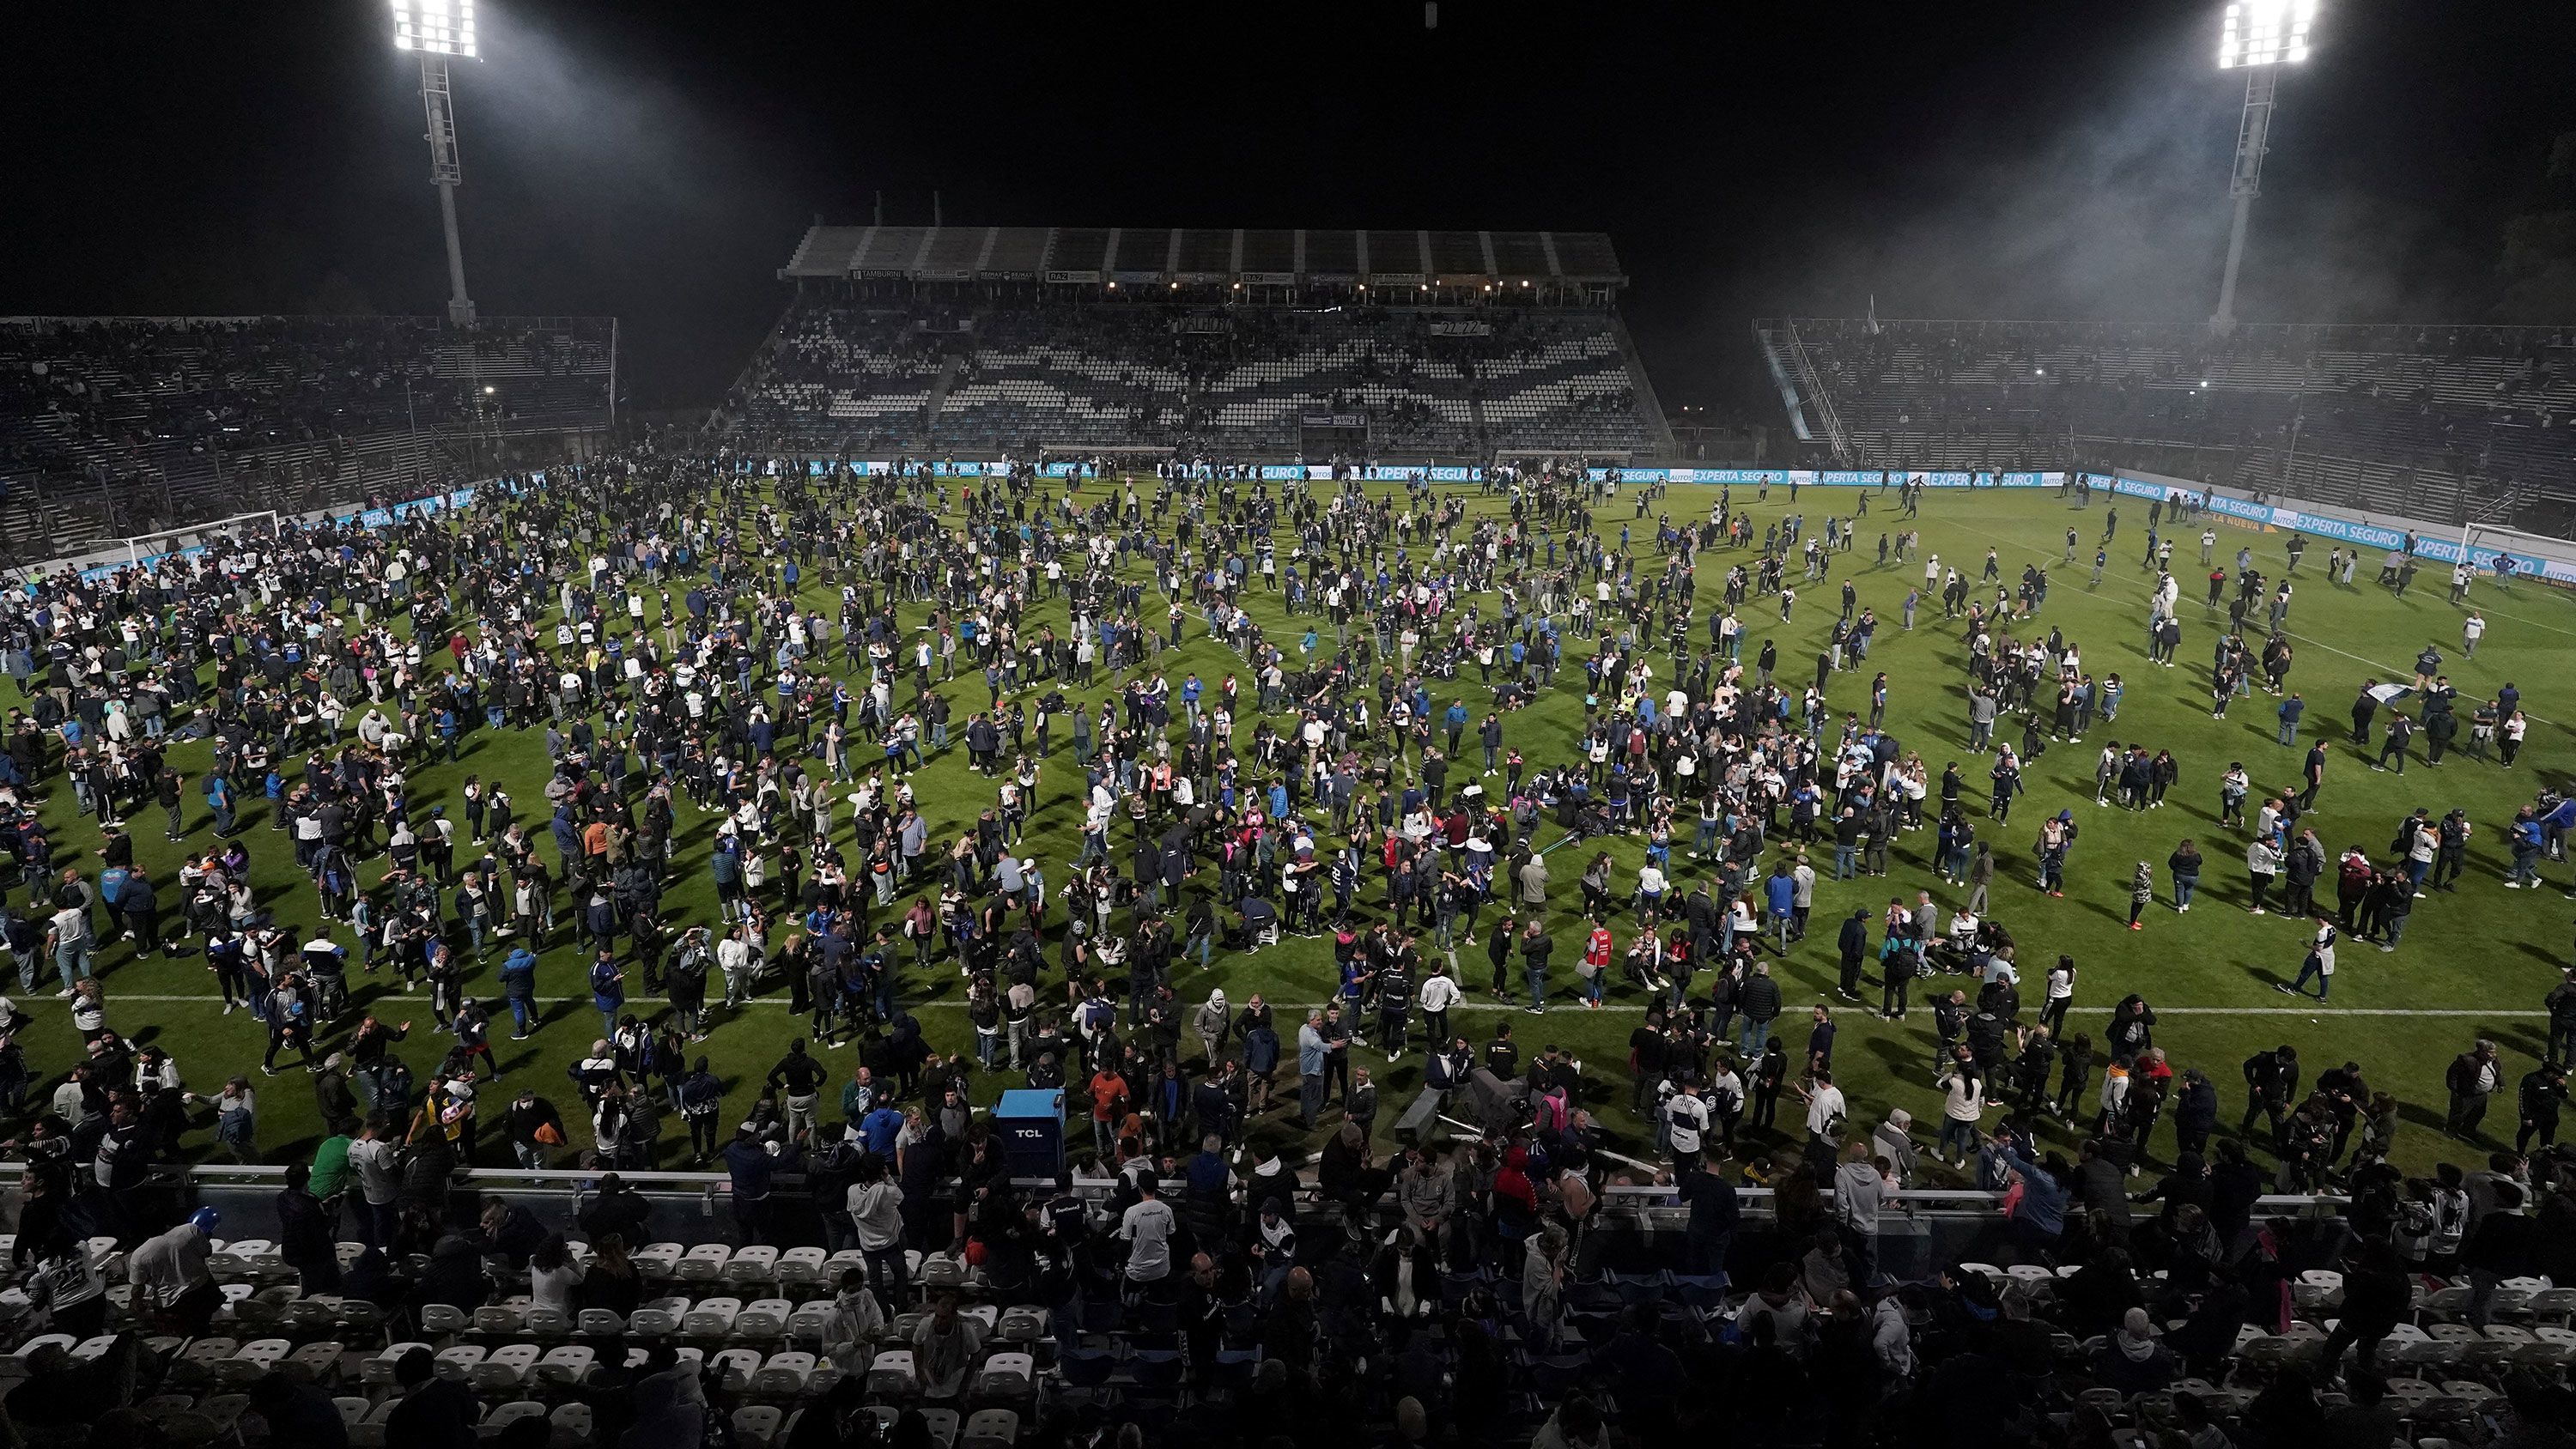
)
(2474, 963)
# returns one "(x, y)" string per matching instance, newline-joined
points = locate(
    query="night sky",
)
(658, 161)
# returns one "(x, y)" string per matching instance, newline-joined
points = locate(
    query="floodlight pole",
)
(2252, 130)
(445, 172)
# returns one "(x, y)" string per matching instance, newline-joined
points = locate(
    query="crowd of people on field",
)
(768, 656)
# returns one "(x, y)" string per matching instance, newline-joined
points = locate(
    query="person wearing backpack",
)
(687, 982)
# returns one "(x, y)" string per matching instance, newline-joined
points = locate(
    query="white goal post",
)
(2531, 555)
(144, 549)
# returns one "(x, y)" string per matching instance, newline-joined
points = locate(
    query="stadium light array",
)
(439, 27)
(2258, 37)
(438, 31)
(2265, 32)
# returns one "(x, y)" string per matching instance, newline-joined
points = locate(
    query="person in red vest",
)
(1596, 965)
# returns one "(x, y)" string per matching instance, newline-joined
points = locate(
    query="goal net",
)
(249, 530)
(2510, 556)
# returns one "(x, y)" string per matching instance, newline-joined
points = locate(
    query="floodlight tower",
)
(2258, 37)
(439, 29)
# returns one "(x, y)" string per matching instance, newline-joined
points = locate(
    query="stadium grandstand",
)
(110, 426)
(2452, 424)
(1241, 343)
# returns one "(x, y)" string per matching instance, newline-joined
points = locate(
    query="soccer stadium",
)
(765, 818)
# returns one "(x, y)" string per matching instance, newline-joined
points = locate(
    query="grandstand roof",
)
(1202, 255)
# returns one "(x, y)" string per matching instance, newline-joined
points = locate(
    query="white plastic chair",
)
(704, 1263)
(891, 1375)
(810, 1321)
(711, 1318)
(801, 1268)
(319, 1360)
(657, 1319)
(205, 1355)
(505, 1368)
(784, 1376)
(1025, 1323)
(318, 1314)
(378, 1372)
(752, 1267)
(500, 1318)
(756, 1423)
(991, 1429)
(763, 1320)
(457, 1364)
(567, 1364)
(1007, 1376)
(737, 1365)
(253, 1360)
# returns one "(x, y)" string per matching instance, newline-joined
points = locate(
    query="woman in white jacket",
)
(1963, 1102)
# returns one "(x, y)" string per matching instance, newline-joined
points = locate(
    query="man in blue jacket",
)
(1780, 898)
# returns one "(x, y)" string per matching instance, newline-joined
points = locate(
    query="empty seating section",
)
(857, 368)
(1564, 383)
(1037, 378)
(1238, 379)
(2475, 418)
